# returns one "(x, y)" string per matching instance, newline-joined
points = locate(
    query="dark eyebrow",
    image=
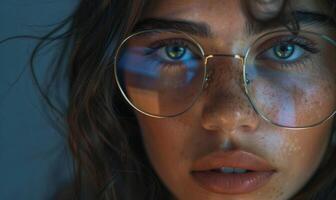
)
(251, 28)
(301, 17)
(190, 27)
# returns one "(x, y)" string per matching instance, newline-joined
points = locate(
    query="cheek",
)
(165, 144)
(300, 155)
(296, 154)
(305, 150)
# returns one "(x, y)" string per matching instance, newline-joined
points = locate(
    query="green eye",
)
(284, 51)
(175, 52)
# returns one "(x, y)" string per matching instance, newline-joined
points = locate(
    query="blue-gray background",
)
(35, 162)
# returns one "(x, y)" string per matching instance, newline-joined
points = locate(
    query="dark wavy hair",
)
(109, 159)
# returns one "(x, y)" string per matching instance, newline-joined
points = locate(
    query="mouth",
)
(233, 172)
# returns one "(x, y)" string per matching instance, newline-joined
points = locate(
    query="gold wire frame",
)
(206, 57)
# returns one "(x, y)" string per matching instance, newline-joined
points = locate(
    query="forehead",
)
(187, 8)
(217, 14)
(219, 10)
(212, 11)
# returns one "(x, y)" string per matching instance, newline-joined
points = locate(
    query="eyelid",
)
(177, 41)
(170, 41)
(302, 42)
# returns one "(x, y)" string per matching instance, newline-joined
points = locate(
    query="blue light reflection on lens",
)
(279, 108)
(133, 60)
(136, 61)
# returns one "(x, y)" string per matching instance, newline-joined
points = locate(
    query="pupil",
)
(175, 52)
(284, 51)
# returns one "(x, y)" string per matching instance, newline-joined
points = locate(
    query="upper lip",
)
(232, 159)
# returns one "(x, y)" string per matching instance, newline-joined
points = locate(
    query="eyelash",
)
(305, 44)
(301, 42)
(168, 67)
(166, 42)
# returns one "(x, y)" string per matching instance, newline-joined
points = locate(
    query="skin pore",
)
(222, 118)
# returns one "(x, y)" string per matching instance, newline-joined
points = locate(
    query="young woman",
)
(195, 100)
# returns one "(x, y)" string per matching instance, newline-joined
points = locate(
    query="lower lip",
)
(232, 183)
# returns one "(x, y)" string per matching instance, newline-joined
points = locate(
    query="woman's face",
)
(221, 129)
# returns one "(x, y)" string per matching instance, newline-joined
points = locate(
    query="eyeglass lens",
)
(291, 78)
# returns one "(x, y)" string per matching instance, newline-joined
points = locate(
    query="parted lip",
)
(233, 159)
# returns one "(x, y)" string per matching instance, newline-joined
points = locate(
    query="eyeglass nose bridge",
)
(210, 56)
(235, 56)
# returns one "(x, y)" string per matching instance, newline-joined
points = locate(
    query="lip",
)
(215, 181)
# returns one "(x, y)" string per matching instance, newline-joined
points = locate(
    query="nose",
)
(226, 107)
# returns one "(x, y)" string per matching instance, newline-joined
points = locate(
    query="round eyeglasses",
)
(289, 77)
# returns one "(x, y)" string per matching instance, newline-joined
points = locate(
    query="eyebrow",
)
(202, 29)
(195, 28)
(290, 21)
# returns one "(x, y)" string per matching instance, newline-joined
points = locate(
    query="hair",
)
(104, 136)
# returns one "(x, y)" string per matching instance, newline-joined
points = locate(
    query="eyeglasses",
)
(288, 77)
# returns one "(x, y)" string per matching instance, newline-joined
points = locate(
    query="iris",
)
(175, 52)
(284, 51)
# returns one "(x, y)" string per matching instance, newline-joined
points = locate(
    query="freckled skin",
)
(222, 118)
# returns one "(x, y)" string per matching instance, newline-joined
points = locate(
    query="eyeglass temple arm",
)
(329, 39)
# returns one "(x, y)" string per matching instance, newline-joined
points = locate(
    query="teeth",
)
(226, 170)
(233, 170)
(240, 171)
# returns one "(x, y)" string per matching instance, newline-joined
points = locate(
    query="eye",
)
(285, 52)
(175, 53)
